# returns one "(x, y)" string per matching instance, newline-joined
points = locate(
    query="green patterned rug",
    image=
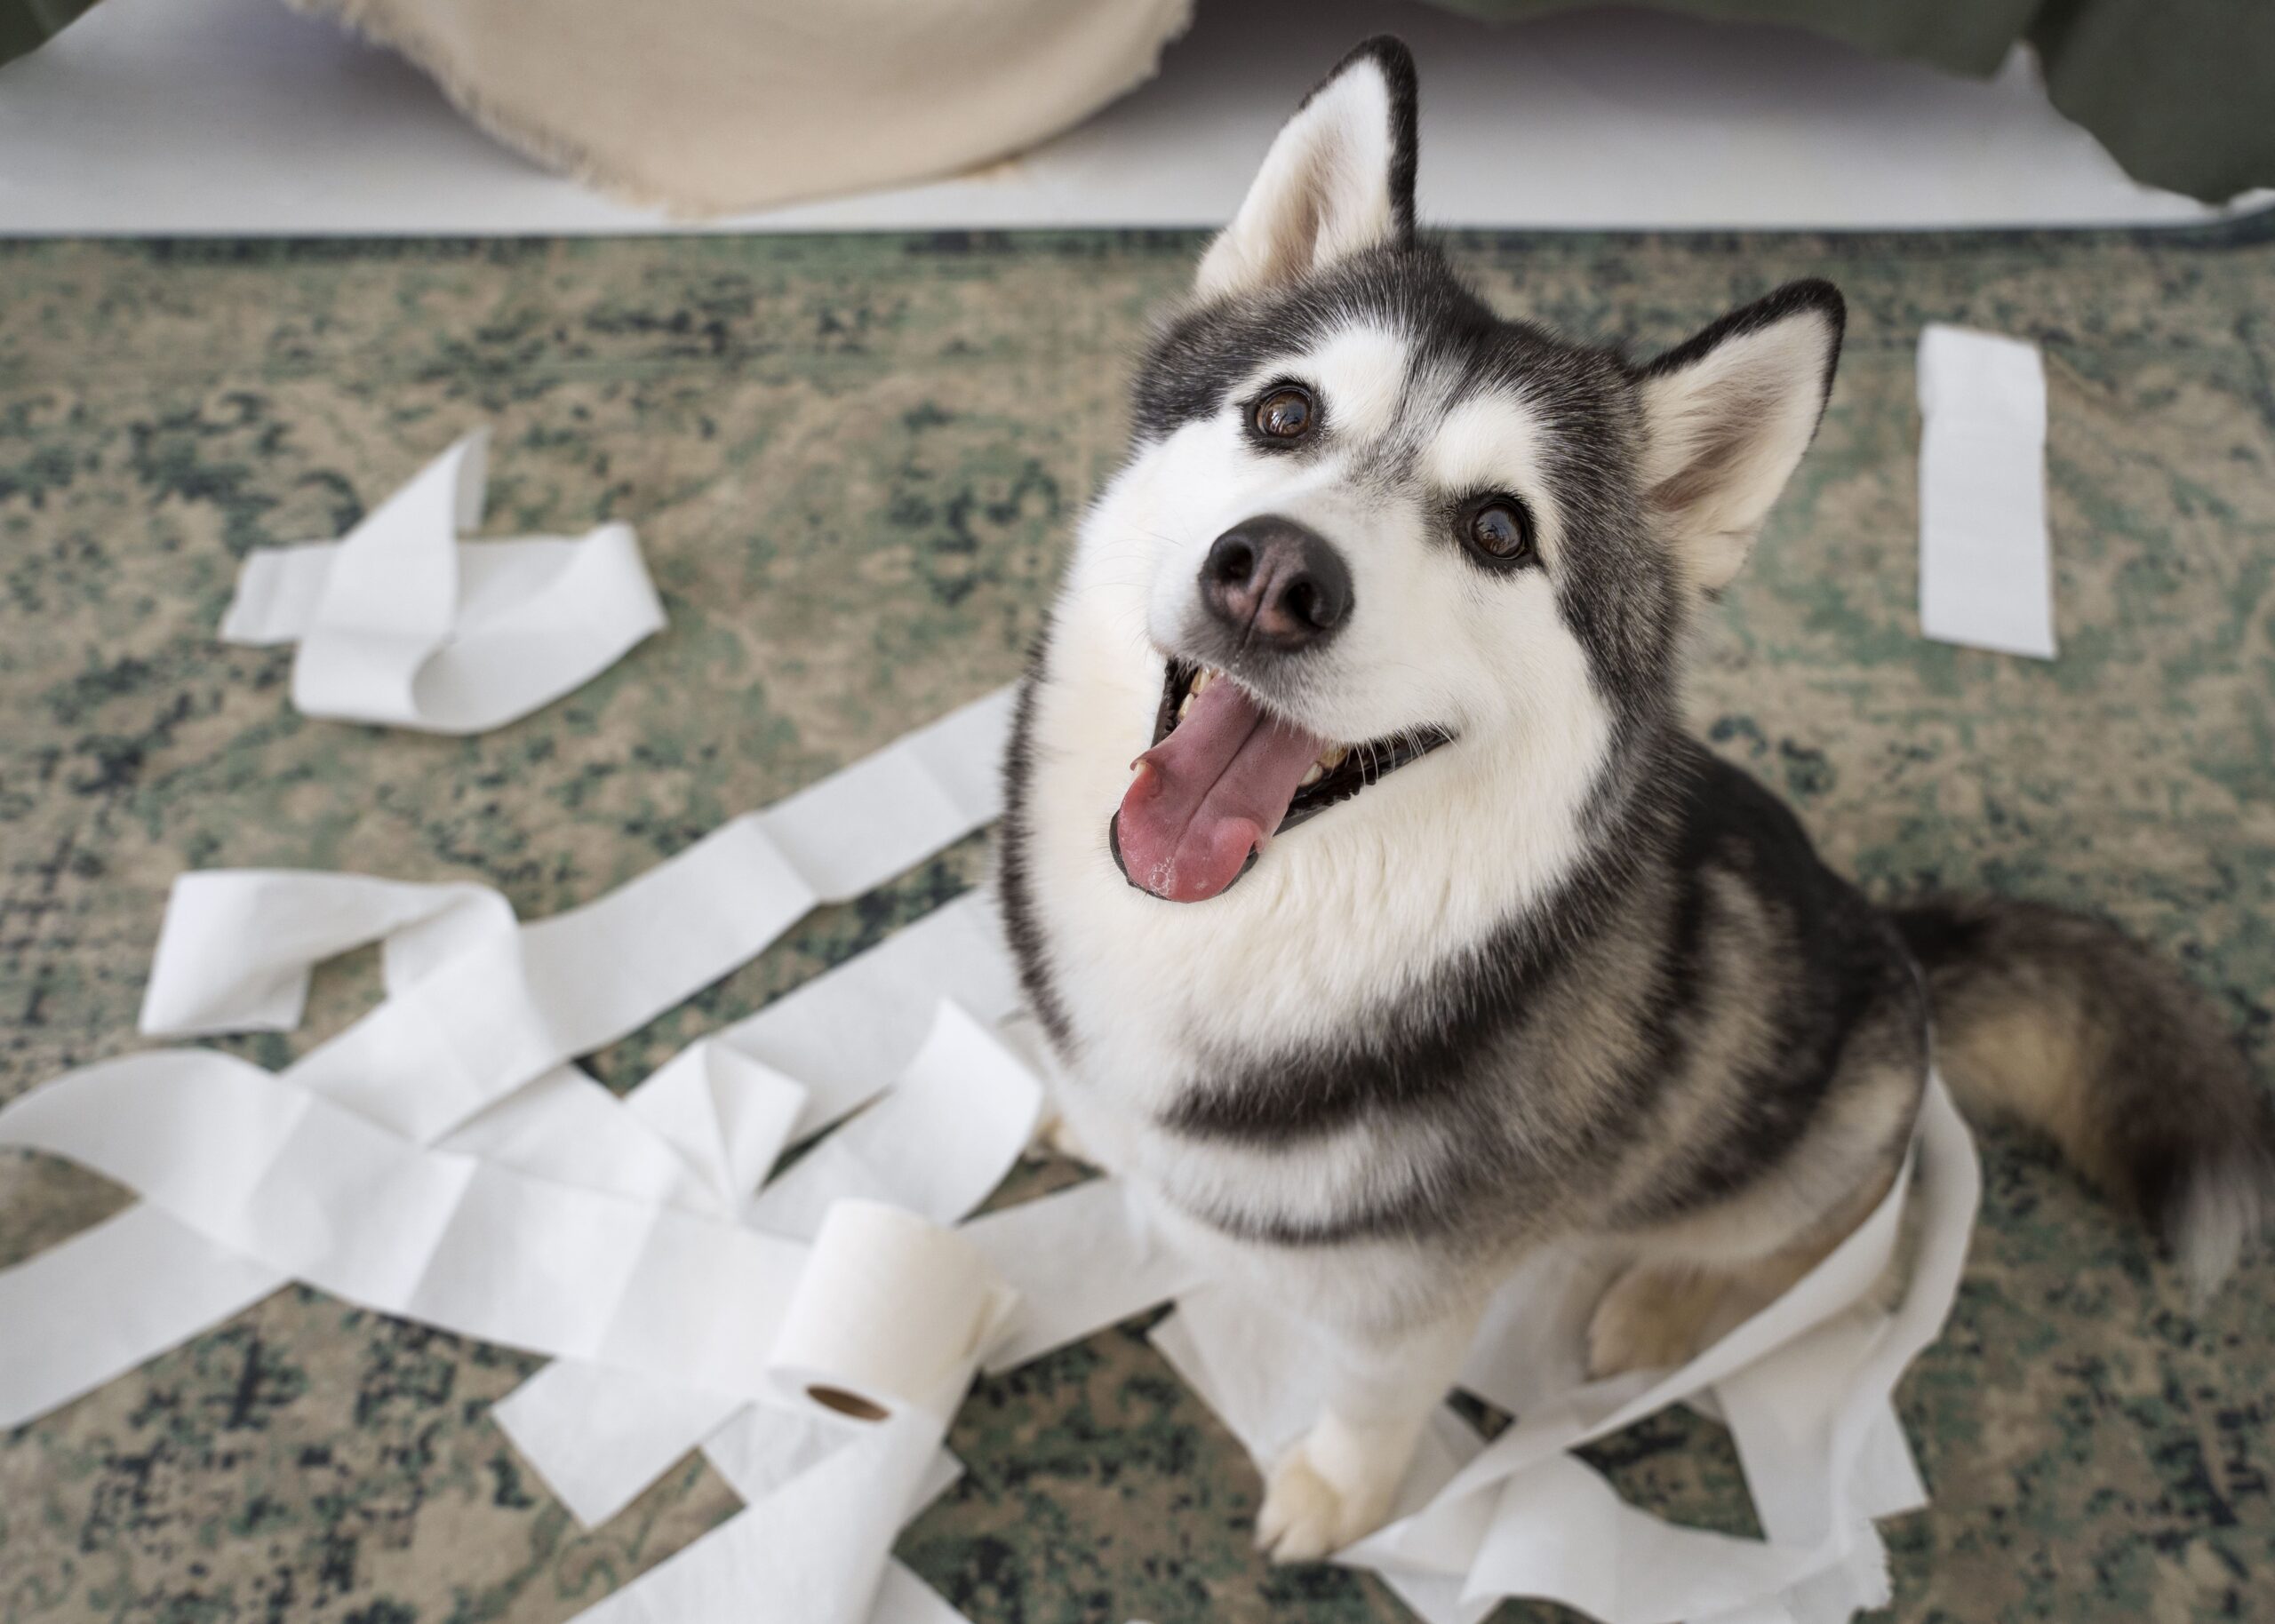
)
(854, 463)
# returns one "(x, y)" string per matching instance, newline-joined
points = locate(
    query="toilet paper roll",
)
(891, 1314)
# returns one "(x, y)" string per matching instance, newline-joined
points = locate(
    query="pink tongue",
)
(1208, 794)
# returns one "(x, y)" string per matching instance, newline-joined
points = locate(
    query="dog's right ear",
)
(1339, 180)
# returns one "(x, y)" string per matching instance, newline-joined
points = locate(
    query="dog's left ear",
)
(1339, 180)
(1727, 415)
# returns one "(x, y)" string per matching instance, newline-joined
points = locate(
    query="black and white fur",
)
(1567, 976)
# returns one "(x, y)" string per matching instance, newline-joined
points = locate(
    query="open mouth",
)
(1224, 776)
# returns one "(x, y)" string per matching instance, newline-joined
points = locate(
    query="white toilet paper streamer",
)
(1504, 1551)
(887, 1317)
(1986, 570)
(811, 1542)
(1080, 1260)
(1479, 1518)
(815, 1550)
(877, 1348)
(477, 1007)
(598, 1435)
(236, 945)
(894, 1315)
(935, 1144)
(318, 1193)
(1806, 1385)
(403, 623)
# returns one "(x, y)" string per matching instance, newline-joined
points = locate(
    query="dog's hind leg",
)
(1697, 1275)
(1662, 1312)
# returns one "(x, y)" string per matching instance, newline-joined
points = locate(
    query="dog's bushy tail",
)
(2062, 1022)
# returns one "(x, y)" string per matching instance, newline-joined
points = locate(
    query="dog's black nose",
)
(1274, 581)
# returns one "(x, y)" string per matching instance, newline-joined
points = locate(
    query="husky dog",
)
(1417, 933)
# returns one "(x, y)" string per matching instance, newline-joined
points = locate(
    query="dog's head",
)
(1366, 523)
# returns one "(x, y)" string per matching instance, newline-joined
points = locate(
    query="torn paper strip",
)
(1986, 571)
(403, 623)
(317, 1193)
(479, 1008)
(935, 1144)
(1825, 1368)
(876, 1352)
(438, 1160)
(814, 1550)
(1807, 1384)
(942, 1136)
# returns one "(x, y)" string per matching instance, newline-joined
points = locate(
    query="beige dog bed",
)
(713, 106)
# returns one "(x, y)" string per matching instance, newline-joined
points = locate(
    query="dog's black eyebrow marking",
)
(1200, 355)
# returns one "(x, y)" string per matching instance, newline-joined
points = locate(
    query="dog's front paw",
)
(1334, 1487)
(1302, 1513)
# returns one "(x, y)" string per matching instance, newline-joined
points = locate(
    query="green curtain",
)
(26, 24)
(2180, 92)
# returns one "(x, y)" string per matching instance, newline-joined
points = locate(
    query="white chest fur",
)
(1340, 920)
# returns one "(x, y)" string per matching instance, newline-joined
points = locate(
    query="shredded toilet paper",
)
(479, 1008)
(1985, 561)
(411, 626)
(599, 1435)
(401, 622)
(812, 1328)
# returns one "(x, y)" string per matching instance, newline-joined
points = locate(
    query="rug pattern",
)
(854, 464)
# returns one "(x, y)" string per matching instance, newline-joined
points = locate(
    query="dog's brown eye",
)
(1501, 529)
(1284, 414)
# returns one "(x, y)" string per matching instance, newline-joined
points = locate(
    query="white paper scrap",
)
(440, 1160)
(403, 623)
(478, 1008)
(851, 1029)
(938, 1140)
(319, 1194)
(935, 1145)
(766, 1445)
(941, 1139)
(1082, 1259)
(893, 1316)
(816, 1550)
(568, 1129)
(1807, 1384)
(729, 1116)
(1986, 569)
(236, 946)
(113, 1297)
(598, 1435)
